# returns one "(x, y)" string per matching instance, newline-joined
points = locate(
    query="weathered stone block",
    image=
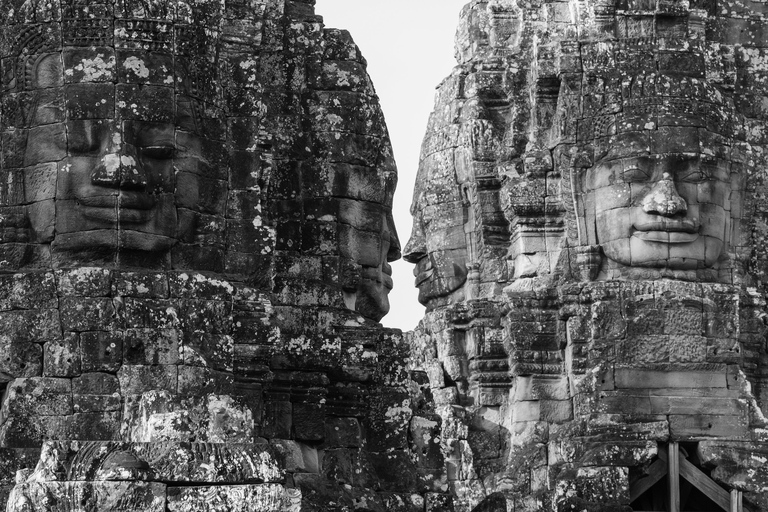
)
(161, 415)
(61, 358)
(88, 314)
(64, 496)
(136, 379)
(245, 498)
(22, 359)
(101, 351)
(34, 325)
(146, 346)
(342, 433)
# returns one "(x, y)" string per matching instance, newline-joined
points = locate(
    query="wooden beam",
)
(705, 484)
(736, 505)
(673, 473)
(656, 472)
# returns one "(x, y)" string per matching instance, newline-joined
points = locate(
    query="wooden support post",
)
(674, 477)
(736, 505)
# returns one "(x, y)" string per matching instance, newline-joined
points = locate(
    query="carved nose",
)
(663, 199)
(119, 170)
(416, 248)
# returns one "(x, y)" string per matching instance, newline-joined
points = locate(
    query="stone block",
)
(539, 387)
(245, 498)
(707, 426)
(95, 426)
(84, 282)
(397, 481)
(195, 380)
(61, 358)
(101, 351)
(38, 396)
(291, 454)
(278, 418)
(88, 314)
(342, 433)
(348, 467)
(210, 350)
(136, 379)
(424, 438)
(309, 421)
(146, 346)
(388, 419)
(629, 378)
(603, 484)
(147, 285)
(34, 325)
(19, 359)
(34, 290)
(112, 496)
(160, 416)
(434, 502)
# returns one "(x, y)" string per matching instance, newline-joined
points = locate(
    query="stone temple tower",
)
(588, 242)
(196, 230)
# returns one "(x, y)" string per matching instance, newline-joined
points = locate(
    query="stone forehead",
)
(650, 101)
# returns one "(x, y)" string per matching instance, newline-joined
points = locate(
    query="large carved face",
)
(664, 204)
(368, 238)
(438, 243)
(117, 162)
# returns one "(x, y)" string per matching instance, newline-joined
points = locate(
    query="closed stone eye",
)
(694, 176)
(635, 174)
(158, 152)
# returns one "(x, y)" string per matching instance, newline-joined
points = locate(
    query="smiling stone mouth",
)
(124, 201)
(668, 231)
(667, 237)
(133, 209)
(424, 275)
(669, 226)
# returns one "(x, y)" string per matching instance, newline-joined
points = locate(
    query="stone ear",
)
(47, 71)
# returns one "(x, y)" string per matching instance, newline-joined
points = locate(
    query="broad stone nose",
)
(663, 199)
(121, 169)
(416, 248)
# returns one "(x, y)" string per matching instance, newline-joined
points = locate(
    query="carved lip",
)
(424, 276)
(383, 277)
(668, 237)
(133, 208)
(670, 226)
(669, 231)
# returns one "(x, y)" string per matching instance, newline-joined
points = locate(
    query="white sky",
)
(409, 48)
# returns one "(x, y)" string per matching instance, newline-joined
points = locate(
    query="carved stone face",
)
(667, 208)
(438, 248)
(118, 161)
(372, 250)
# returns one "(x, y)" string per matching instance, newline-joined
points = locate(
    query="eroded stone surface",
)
(587, 244)
(196, 235)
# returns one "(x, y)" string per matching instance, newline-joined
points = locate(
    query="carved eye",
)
(158, 152)
(635, 174)
(693, 176)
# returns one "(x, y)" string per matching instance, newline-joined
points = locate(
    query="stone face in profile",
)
(661, 193)
(195, 236)
(437, 245)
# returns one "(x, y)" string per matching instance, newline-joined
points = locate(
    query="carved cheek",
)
(159, 175)
(74, 178)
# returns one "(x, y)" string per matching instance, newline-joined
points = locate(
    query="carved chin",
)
(373, 304)
(436, 288)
